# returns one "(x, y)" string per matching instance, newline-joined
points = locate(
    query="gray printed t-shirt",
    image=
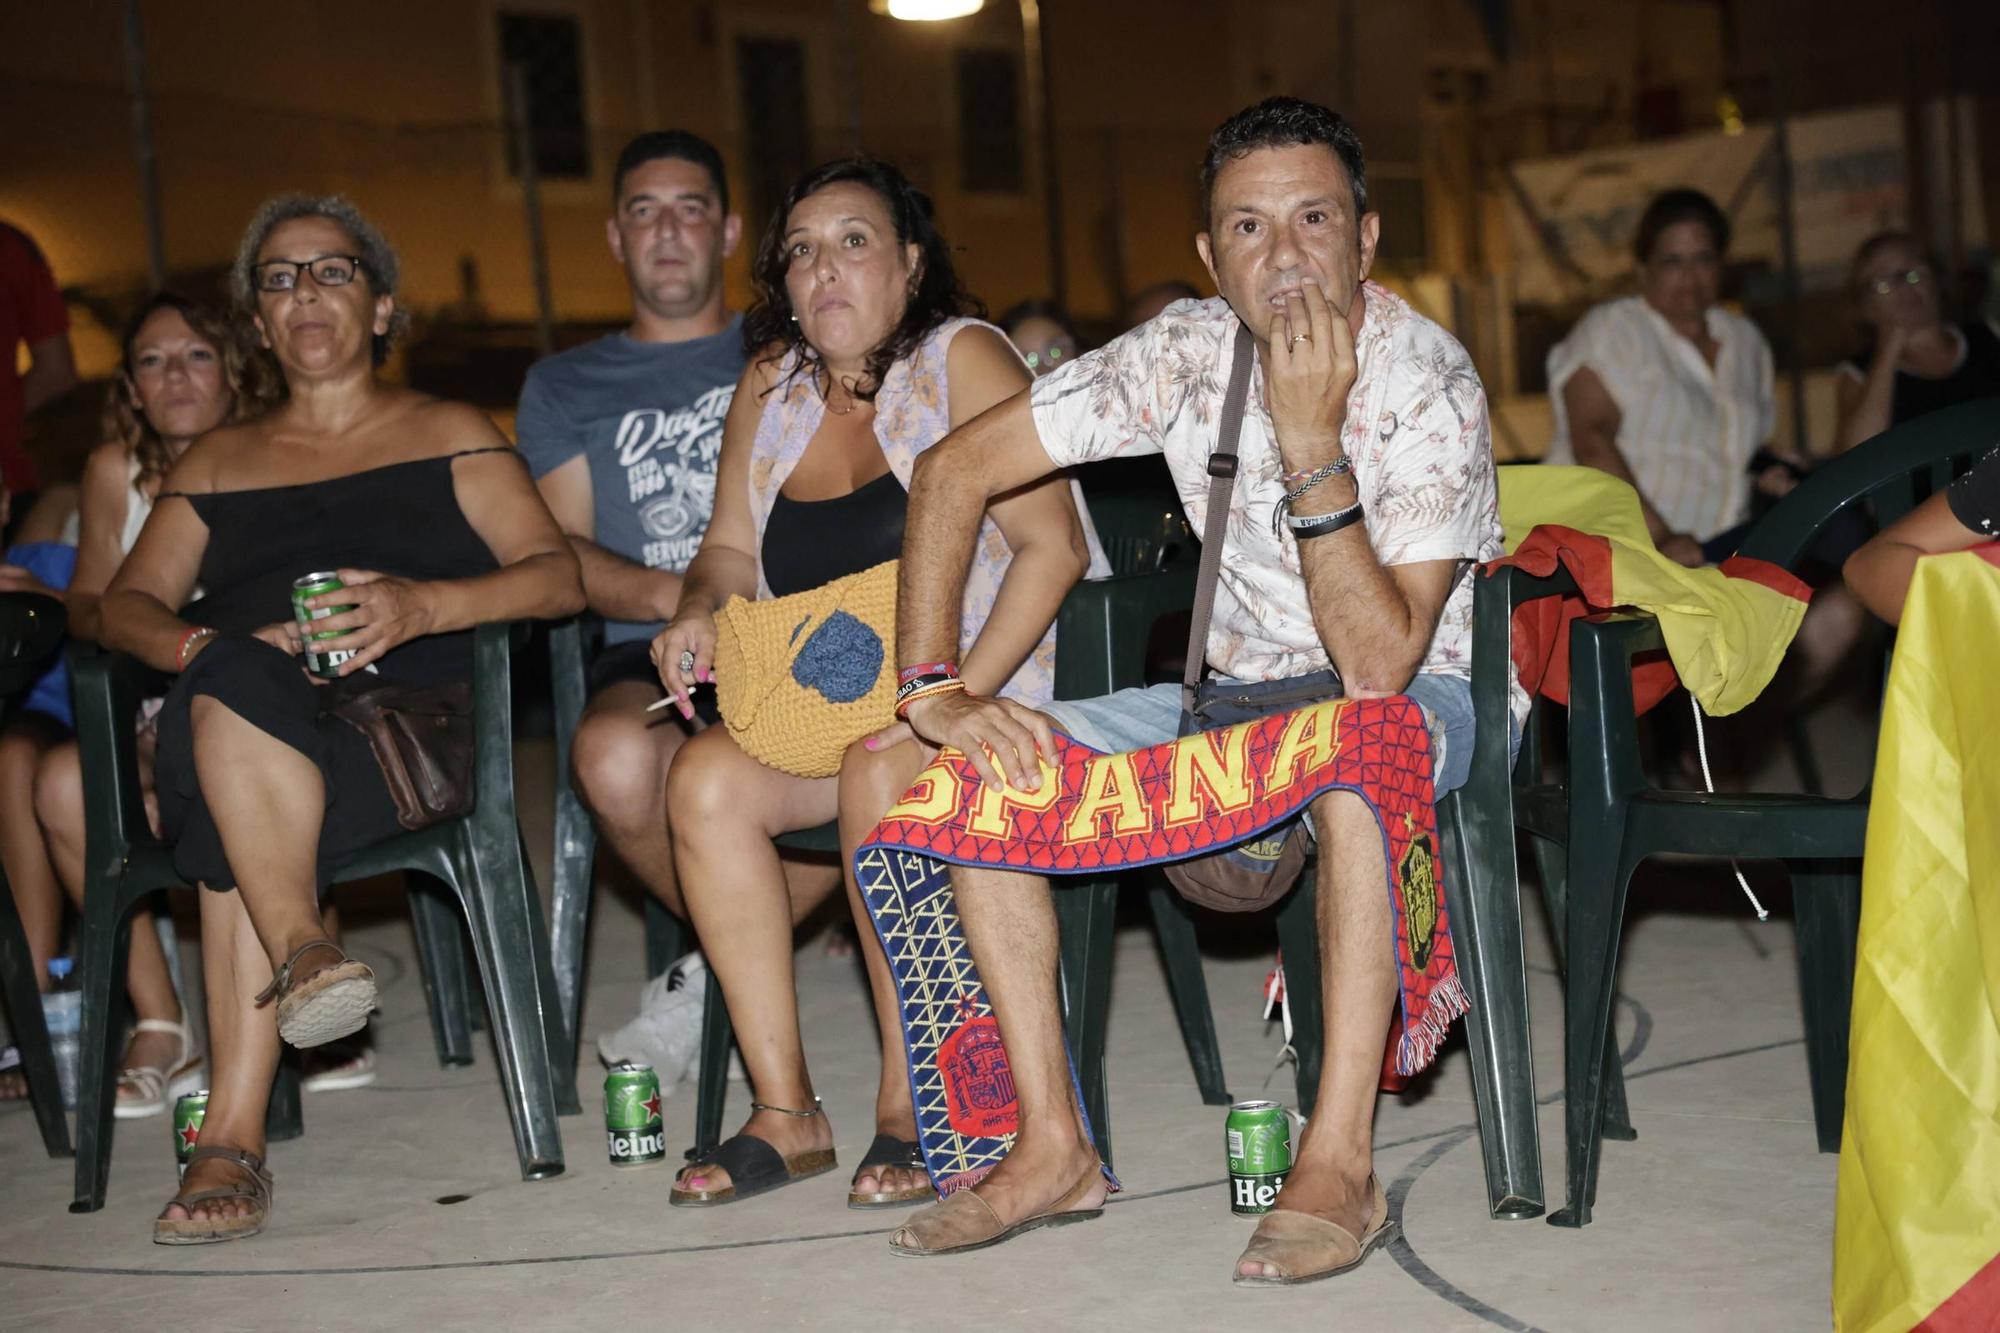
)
(649, 417)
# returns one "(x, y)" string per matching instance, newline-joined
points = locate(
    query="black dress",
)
(402, 519)
(1977, 376)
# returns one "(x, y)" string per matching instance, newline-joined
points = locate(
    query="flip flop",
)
(888, 1150)
(754, 1167)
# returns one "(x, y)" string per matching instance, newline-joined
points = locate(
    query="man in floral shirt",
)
(1371, 419)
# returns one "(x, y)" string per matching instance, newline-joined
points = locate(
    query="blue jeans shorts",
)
(1135, 718)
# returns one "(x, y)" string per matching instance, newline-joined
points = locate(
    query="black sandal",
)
(754, 1167)
(888, 1150)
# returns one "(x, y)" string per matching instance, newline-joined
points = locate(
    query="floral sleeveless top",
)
(912, 413)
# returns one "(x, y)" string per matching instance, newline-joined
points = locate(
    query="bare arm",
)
(1594, 418)
(105, 496)
(614, 586)
(1039, 522)
(137, 613)
(51, 372)
(1376, 621)
(1863, 406)
(1880, 572)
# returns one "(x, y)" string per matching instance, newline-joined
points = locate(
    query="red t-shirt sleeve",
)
(30, 288)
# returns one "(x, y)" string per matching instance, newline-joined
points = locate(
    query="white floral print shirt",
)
(1416, 429)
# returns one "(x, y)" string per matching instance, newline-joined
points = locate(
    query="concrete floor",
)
(402, 1205)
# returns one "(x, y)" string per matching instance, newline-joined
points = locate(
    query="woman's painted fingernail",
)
(869, 743)
(707, 676)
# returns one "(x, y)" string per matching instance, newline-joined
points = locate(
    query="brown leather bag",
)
(422, 739)
(1256, 873)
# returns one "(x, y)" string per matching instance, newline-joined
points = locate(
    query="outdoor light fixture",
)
(926, 11)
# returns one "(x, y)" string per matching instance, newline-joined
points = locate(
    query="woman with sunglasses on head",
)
(433, 525)
(1913, 360)
(181, 375)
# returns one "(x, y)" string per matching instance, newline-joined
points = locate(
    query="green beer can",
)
(1259, 1141)
(634, 1135)
(189, 1112)
(320, 661)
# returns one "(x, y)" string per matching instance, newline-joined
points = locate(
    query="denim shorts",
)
(1135, 718)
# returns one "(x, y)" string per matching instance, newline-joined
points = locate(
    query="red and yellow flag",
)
(1916, 1241)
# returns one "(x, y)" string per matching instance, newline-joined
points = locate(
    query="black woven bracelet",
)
(1320, 525)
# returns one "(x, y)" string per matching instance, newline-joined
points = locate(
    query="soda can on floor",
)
(1259, 1142)
(321, 662)
(634, 1134)
(189, 1112)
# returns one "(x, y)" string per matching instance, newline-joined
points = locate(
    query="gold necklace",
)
(826, 398)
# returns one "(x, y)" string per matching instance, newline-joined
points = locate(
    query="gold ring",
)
(1298, 338)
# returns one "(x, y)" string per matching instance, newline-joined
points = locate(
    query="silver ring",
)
(687, 664)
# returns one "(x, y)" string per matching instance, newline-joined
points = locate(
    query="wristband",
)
(910, 673)
(1315, 476)
(1319, 525)
(917, 684)
(948, 685)
(188, 641)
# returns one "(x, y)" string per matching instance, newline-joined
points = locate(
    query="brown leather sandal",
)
(256, 1188)
(1304, 1248)
(965, 1222)
(332, 1003)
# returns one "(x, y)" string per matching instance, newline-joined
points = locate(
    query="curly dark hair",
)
(1284, 122)
(769, 330)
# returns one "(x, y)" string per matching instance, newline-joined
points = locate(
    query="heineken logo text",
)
(1254, 1194)
(636, 1145)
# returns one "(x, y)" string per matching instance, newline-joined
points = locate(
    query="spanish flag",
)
(1916, 1242)
(1726, 628)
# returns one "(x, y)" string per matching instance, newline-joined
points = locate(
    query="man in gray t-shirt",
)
(623, 436)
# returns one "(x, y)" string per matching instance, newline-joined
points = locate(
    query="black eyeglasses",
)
(1915, 277)
(282, 275)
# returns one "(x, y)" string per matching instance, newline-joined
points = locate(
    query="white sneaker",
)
(666, 1034)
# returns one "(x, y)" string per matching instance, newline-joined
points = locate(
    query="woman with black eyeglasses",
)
(1913, 360)
(433, 525)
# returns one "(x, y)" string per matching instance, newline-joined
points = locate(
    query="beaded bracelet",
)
(188, 640)
(948, 685)
(910, 673)
(1319, 525)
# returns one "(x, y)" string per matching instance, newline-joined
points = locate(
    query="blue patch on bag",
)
(841, 659)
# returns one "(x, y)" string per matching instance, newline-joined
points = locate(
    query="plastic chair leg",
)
(666, 937)
(1483, 899)
(435, 924)
(560, 1040)
(101, 947)
(1798, 739)
(1298, 941)
(712, 1083)
(1181, 953)
(284, 1114)
(569, 907)
(31, 1034)
(1086, 916)
(1826, 905)
(505, 917)
(1555, 899)
(1592, 929)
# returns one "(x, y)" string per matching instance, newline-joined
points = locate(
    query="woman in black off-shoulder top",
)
(434, 525)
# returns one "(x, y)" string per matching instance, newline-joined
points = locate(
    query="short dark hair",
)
(1670, 208)
(768, 327)
(680, 144)
(1284, 122)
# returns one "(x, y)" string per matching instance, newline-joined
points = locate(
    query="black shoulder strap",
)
(1221, 481)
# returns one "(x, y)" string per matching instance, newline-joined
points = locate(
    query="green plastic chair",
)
(31, 632)
(477, 857)
(1618, 819)
(1482, 895)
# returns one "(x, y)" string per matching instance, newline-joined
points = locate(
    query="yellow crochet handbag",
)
(801, 678)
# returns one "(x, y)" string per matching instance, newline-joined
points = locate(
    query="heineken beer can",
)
(189, 1112)
(633, 1132)
(321, 662)
(1259, 1136)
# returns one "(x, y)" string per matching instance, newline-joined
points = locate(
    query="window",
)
(549, 50)
(771, 84)
(990, 158)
